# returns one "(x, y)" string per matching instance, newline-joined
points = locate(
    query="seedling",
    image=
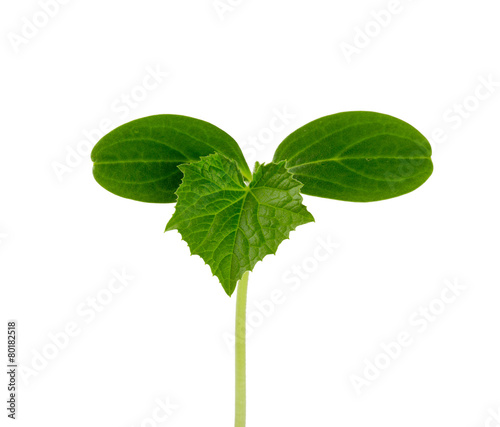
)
(232, 218)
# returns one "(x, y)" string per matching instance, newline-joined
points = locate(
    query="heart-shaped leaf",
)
(139, 159)
(231, 225)
(357, 156)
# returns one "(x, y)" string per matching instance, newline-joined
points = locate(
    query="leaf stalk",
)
(240, 352)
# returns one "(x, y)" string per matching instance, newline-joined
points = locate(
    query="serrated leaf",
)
(357, 156)
(231, 225)
(140, 159)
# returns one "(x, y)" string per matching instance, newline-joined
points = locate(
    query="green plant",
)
(232, 218)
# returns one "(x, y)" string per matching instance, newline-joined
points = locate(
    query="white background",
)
(165, 335)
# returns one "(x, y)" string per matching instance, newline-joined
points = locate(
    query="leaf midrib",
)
(238, 228)
(109, 162)
(339, 159)
(136, 182)
(300, 137)
(349, 146)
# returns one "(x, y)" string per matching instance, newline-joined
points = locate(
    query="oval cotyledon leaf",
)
(357, 156)
(139, 160)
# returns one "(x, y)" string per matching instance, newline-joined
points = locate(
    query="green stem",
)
(240, 352)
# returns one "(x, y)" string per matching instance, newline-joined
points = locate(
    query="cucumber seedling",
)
(232, 218)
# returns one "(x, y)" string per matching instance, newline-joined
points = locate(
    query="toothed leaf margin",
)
(232, 225)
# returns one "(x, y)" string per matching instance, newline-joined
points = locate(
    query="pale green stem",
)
(240, 352)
